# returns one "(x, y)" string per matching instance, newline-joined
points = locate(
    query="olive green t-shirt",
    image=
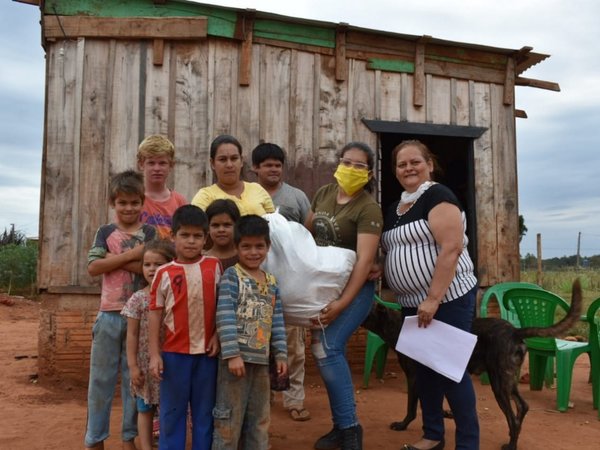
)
(339, 225)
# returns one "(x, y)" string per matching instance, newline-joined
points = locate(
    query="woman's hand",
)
(376, 272)
(156, 367)
(213, 347)
(426, 311)
(137, 377)
(328, 314)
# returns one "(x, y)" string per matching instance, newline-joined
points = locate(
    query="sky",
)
(558, 146)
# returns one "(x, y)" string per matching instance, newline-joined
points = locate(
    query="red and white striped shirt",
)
(188, 294)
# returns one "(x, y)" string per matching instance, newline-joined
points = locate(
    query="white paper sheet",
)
(441, 347)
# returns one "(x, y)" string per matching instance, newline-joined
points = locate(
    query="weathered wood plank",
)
(56, 27)
(223, 63)
(390, 96)
(459, 92)
(192, 140)
(302, 87)
(341, 65)
(92, 182)
(248, 105)
(505, 185)
(157, 95)
(439, 103)
(245, 59)
(275, 114)
(158, 52)
(55, 266)
(333, 105)
(419, 76)
(509, 82)
(408, 110)
(485, 205)
(363, 102)
(124, 136)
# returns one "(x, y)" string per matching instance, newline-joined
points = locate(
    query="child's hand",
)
(156, 366)
(282, 369)
(236, 366)
(137, 377)
(213, 346)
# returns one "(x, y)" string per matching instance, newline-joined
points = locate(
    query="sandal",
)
(299, 414)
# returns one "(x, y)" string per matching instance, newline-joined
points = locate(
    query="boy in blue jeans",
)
(250, 326)
(116, 255)
(183, 301)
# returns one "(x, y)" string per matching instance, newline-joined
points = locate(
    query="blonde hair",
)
(155, 145)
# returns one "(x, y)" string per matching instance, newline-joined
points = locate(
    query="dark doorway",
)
(455, 158)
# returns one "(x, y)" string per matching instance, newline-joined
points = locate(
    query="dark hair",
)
(189, 215)
(370, 160)
(127, 182)
(425, 152)
(251, 225)
(162, 247)
(265, 151)
(223, 139)
(223, 206)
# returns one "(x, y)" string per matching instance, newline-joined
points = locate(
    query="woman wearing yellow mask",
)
(344, 214)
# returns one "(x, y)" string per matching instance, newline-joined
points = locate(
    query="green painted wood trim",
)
(390, 65)
(293, 32)
(221, 22)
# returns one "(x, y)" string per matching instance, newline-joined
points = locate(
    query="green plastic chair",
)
(497, 291)
(537, 308)
(593, 318)
(377, 349)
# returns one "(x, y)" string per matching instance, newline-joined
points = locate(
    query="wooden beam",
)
(419, 77)
(61, 27)
(158, 52)
(244, 30)
(509, 82)
(341, 64)
(29, 2)
(521, 114)
(549, 85)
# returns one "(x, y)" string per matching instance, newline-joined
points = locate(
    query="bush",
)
(18, 268)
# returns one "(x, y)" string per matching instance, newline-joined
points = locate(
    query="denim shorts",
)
(142, 406)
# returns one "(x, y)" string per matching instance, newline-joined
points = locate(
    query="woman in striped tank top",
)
(428, 267)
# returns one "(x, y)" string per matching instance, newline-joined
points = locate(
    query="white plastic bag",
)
(309, 276)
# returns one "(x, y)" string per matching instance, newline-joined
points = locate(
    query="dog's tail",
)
(563, 325)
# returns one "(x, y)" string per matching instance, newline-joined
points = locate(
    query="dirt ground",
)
(51, 415)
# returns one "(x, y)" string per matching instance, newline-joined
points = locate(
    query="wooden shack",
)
(118, 71)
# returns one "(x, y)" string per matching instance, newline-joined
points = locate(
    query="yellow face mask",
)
(350, 179)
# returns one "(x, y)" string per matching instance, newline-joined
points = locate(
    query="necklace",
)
(410, 198)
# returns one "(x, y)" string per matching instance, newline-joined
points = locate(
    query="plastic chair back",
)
(593, 318)
(498, 291)
(535, 308)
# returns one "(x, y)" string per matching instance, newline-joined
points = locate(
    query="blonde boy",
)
(156, 158)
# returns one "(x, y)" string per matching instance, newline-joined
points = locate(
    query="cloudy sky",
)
(558, 145)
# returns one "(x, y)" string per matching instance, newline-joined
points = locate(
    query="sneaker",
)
(330, 441)
(352, 438)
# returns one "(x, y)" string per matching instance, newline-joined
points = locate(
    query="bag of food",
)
(309, 277)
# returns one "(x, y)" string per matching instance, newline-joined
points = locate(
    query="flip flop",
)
(299, 414)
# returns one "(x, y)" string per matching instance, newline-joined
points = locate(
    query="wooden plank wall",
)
(104, 96)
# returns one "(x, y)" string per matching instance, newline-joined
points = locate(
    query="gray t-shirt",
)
(293, 204)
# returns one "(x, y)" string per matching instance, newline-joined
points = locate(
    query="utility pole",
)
(539, 259)
(578, 250)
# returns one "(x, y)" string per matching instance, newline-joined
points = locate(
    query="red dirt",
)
(51, 415)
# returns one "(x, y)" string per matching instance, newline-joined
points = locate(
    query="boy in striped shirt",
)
(250, 326)
(183, 307)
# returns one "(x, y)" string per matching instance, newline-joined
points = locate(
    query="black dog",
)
(500, 351)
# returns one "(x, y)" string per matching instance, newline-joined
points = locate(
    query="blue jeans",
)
(187, 380)
(329, 349)
(433, 387)
(108, 353)
(243, 411)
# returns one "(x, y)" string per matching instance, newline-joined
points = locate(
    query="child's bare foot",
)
(129, 445)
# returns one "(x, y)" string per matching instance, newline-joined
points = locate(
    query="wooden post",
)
(244, 31)
(341, 66)
(539, 259)
(578, 250)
